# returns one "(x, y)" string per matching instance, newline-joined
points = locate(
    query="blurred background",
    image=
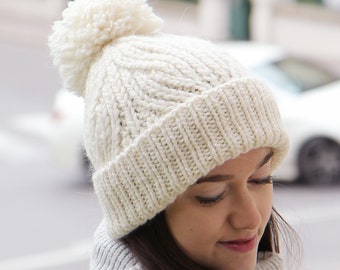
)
(48, 209)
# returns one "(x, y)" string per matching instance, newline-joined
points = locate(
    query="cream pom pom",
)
(87, 26)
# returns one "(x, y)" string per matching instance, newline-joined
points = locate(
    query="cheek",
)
(264, 202)
(193, 226)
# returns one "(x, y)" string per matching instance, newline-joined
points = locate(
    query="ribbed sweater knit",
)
(108, 254)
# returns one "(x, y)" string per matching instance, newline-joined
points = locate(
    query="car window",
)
(278, 78)
(295, 75)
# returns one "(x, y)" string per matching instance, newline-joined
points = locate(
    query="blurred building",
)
(28, 21)
(308, 28)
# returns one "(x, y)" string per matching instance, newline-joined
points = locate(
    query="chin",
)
(239, 262)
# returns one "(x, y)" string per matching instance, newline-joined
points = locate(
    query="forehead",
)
(249, 161)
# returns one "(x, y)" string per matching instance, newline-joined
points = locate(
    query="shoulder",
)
(109, 254)
(269, 261)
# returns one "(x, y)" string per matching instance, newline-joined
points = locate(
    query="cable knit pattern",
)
(108, 254)
(161, 110)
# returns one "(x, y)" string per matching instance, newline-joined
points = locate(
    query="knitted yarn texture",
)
(161, 110)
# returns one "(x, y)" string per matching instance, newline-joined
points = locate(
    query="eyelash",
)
(262, 181)
(214, 200)
(211, 200)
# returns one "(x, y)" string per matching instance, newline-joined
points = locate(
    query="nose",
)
(245, 213)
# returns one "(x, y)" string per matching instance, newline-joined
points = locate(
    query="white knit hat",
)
(161, 110)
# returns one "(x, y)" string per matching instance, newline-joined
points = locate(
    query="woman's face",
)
(219, 221)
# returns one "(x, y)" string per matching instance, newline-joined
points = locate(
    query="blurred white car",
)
(308, 97)
(66, 142)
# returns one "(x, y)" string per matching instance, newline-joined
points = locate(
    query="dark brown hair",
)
(154, 246)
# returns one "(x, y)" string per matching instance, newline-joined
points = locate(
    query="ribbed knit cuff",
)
(269, 261)
(108, 254)
(185, 145)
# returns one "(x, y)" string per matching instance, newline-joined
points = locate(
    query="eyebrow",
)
(224, 177)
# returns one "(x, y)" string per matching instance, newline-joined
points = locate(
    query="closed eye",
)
(209, 201)
(262, 181)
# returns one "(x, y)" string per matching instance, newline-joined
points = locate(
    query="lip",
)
(241, 245)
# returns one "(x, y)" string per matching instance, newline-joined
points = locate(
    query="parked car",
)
(308, 96)
(67, 141)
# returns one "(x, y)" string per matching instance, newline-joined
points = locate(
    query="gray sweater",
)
(108, 254)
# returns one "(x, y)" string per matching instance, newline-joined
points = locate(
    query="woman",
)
(181, 138)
